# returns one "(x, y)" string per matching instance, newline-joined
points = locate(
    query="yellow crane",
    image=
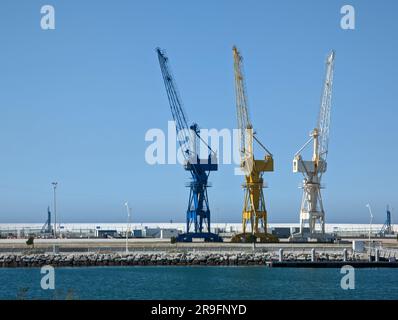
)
(254, 210)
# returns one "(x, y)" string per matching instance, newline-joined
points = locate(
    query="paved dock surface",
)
(79, 245)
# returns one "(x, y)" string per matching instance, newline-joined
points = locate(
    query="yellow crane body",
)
(254, 211)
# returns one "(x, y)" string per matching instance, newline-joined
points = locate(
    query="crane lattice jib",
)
(241, 101)
(324, 113)
(175, 102)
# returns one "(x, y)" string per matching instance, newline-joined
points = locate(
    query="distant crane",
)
(128, 229)
(387, 227)
(47, 228)
(254, 210)
(312, 211)
(198, 212)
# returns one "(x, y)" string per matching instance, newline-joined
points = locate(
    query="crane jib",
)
(184, 131)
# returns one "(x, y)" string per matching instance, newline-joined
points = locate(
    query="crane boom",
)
(175, 102)
(242, 111)
(324, 112)
(189, 148)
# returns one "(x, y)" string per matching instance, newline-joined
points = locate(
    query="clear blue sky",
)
(75, 103)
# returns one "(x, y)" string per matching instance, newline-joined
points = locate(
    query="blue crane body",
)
(198, 211)
(47, 228)
(387, 227)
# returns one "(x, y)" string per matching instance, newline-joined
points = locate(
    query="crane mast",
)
(312, 214)
(198, 211)
(254, 211)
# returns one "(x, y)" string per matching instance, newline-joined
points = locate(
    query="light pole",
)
(55, 208)
(128, 225)
(370, 224)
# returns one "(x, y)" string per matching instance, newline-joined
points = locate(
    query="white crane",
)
(312, 211)
(126, 204)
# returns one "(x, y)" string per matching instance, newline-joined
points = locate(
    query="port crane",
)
(254, 211)
(312, 214)
(47, 228)
(198, 211)
(387, 227)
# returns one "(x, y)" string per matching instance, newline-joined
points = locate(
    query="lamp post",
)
(55, 208)
(370, 225)
(128, 225)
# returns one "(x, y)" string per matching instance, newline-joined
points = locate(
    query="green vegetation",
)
(30, 241)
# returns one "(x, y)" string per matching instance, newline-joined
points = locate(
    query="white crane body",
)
(312, 214)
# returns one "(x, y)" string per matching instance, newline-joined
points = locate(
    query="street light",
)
(55, 208)
(370, 224)
(128, 225)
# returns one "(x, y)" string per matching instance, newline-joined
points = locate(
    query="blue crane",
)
(47, 228)
(198, 211)
(387, 227)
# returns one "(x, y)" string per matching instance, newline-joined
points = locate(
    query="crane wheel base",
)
(206, 236)
(259, 237)
(312, 237)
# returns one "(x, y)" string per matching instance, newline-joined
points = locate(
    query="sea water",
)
(196, 282)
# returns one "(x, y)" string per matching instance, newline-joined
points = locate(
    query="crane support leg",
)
(198, 211)
(254, 211)
(311, 211)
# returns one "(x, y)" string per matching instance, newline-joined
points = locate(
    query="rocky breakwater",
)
(145, 259)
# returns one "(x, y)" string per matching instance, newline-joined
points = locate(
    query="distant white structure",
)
(161, 233)
(84, 230)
